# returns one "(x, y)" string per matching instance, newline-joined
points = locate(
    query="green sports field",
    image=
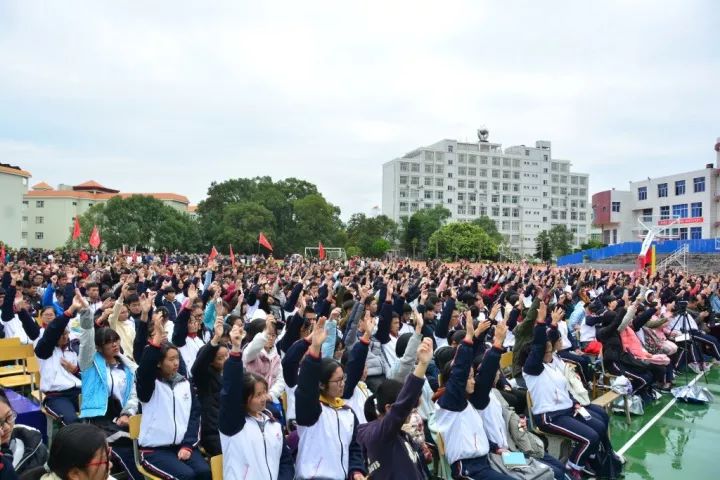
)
(681, 443)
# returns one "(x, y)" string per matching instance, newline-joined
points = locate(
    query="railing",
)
(711, 245)
(675, 257)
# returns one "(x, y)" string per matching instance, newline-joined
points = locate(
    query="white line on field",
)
(657, 417)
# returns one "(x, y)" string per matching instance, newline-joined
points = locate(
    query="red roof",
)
(42, 186)
(93, 185)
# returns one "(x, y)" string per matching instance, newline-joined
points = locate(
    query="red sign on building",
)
(682, 221)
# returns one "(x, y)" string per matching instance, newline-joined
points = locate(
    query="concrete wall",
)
(12, 189)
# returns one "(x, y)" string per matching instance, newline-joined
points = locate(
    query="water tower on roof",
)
(483, 133)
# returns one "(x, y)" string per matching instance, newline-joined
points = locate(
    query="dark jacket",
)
(389, 451)
(208, 383)
(29, 440)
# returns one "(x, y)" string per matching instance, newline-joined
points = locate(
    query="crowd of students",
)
(331, 370)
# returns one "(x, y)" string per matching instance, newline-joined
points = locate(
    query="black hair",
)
(232, 318)
(133, 298)
(73, 446)
(163, 311)
(386, 394)
(401, 344)
(103, 336)
(327, 368)
(90, 285)
(4, 399)
(253, 328)
(249, 382)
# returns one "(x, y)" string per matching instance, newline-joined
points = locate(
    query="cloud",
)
(172, 95)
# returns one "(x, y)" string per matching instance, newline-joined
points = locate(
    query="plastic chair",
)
(558, 446)
(10, 369)
(21, 354)
(216, 467)
(134, 427)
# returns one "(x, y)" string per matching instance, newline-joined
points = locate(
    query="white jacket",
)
(463, 433)
(549, 390)
(323, 448)
(53, 377)
(166, 416)
(254, 452)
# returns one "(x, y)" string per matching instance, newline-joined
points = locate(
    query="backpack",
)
(606, 466)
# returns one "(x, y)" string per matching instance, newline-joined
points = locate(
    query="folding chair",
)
(20, 354)
(216, 467)
(606, 399)
(10, 369)
(134, 427)
(558, 446)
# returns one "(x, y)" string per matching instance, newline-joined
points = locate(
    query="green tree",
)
(590, 244)
(416, 230)
(365, 232)
(490, 227)
(461, 240)
(543, 248)
(140, 222)
(299, 215)
(561, 240)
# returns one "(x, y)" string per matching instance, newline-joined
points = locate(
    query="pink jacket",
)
(261, 362)
(631, 343)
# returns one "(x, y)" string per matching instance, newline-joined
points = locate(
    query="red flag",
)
(232, 256)
(321, 251)
(264, 242)
(213, 253)
(94, 238)
(76, 229)
(2, 254)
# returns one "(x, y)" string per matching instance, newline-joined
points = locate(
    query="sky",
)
(173, 95)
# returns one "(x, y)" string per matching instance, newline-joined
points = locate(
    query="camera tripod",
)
(686, 348)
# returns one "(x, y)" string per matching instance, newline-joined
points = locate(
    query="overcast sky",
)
(171, 95)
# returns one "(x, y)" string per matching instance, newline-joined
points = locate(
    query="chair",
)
(216, 467)
(10, 369)
(558, 446)
(606, 399)
(134, 427)
(22, 354)
(506, 361)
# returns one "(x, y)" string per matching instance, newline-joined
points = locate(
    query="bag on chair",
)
(534, 470)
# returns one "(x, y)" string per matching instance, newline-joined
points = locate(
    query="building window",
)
(616, 207)
(471, 184)
(24, 235)
(680, 187)
(39, 220)
(414, 180)
(428, 181)
(439, 169)
(695, 233)
(680, 210)
(24, 218)
(439, 195)
(450, 149)
(647, 214)
(683, 233)
(699, 184)
(462, 171)
(642, 193)
(461, 183)
(439, 182)
(404, 166)
(664, 212)
(39, 204)
(415, 167)
(39, 235)
(472, 171)
(696, 209)
(662, 190)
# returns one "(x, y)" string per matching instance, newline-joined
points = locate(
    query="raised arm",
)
(232, 405)
(386, 311)
(147, 369)
(356, 363)
(485, 376)
(307, 395)
(534, 362)
(291, 361)
(441, 329)
(454, 398)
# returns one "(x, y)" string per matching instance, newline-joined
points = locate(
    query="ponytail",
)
(370, 409)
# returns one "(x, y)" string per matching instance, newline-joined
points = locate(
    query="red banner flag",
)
(264, 242)
(76, 229)
(321, 251)
(232, 257)
(94, 238)
(213, 254)
(2, 254)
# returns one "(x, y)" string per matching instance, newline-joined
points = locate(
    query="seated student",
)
(78, 451)
(554, 410)
(188, 331)
(170, 424)
(108, 389)
(324, 419)
(21, 445)
(253, 444)
(388, 448)
(703, 344)
(460, 401)
(207, 378)
(261, 357)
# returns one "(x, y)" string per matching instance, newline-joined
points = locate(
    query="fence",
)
(711, 245)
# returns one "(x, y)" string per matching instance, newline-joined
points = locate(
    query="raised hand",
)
(482, 328)
(541, 313)
(557, 314)
(469, 327)
(369, 326)
(79, 303)
(425, 351)
(319, 335)
(236, 337)
(192, 293)
(501, 330)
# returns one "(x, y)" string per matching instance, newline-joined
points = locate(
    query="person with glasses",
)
(79, 451)
(109, 396)
(327, 427)
(21, 446)
(253, 443)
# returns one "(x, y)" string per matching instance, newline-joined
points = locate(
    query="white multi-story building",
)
(523, 189)
(13, 185)
(48, 213)
(688, 201)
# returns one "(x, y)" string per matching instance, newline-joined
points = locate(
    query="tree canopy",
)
(420, 226)
(462, 240)
(371, 236)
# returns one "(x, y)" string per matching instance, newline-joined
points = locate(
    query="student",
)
(387, 448)
(207, 378)
(59, 370)
(327, 427)
(171, 413)
(79, 451)
(188, 333)
(458, 416)
(253, 444)
(554, 410)
(21, 445)
(109, 398)
(261, 357)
